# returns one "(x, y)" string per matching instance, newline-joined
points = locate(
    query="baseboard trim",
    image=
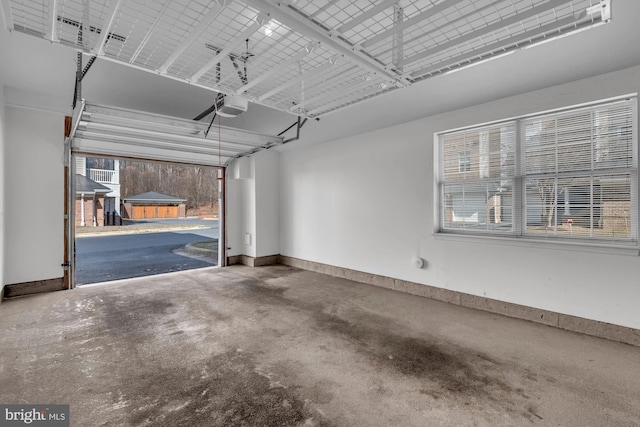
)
(594, 328)
(251, 261)
(35, 287)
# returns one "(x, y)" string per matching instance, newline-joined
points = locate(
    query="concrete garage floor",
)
(278, 346)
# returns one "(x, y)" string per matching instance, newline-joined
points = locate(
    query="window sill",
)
(630, 249)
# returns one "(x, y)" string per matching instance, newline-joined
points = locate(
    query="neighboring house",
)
(153, 205)
(107, 173)
(476, 155)
(569, 160)
(90, 197)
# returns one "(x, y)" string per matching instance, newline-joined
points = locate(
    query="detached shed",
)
(153, 205)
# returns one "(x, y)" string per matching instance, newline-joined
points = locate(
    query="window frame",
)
(518, 233)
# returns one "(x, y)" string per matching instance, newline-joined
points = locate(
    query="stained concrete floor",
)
(277, 346)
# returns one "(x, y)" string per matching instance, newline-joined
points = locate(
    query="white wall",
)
(2, 181)
(366, 203)
(233, 219)
(267, 196)
(34, 195)
(241, 208)
(248, 243)
(253, 205)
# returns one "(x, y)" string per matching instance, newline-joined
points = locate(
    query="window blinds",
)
(478, 165)
(564, 175)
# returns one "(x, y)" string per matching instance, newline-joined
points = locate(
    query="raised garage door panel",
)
(150, 212)
(167, 212)
(162, 212)
(109, 131)
(138, 212)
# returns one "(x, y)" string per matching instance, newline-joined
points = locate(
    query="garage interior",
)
(365, 296)
(281, 346)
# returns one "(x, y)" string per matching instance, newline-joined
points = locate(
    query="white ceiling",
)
(300, 56)
(38, 66)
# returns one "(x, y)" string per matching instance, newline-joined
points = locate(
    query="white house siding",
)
(81, 165)
(367, 203)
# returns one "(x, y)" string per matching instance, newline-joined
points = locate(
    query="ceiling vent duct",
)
(233, 106)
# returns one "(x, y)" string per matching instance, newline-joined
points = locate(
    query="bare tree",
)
(549, 194)
(197, 184)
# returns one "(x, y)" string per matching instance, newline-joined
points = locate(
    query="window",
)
(464, 162)
(567, 175)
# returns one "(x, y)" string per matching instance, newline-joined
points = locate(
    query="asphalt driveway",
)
(141, 249)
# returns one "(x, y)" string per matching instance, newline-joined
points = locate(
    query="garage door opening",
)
(139, 218)
(112, 133)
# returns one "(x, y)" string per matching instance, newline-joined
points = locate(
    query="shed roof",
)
(87, 186)
(152, 197)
